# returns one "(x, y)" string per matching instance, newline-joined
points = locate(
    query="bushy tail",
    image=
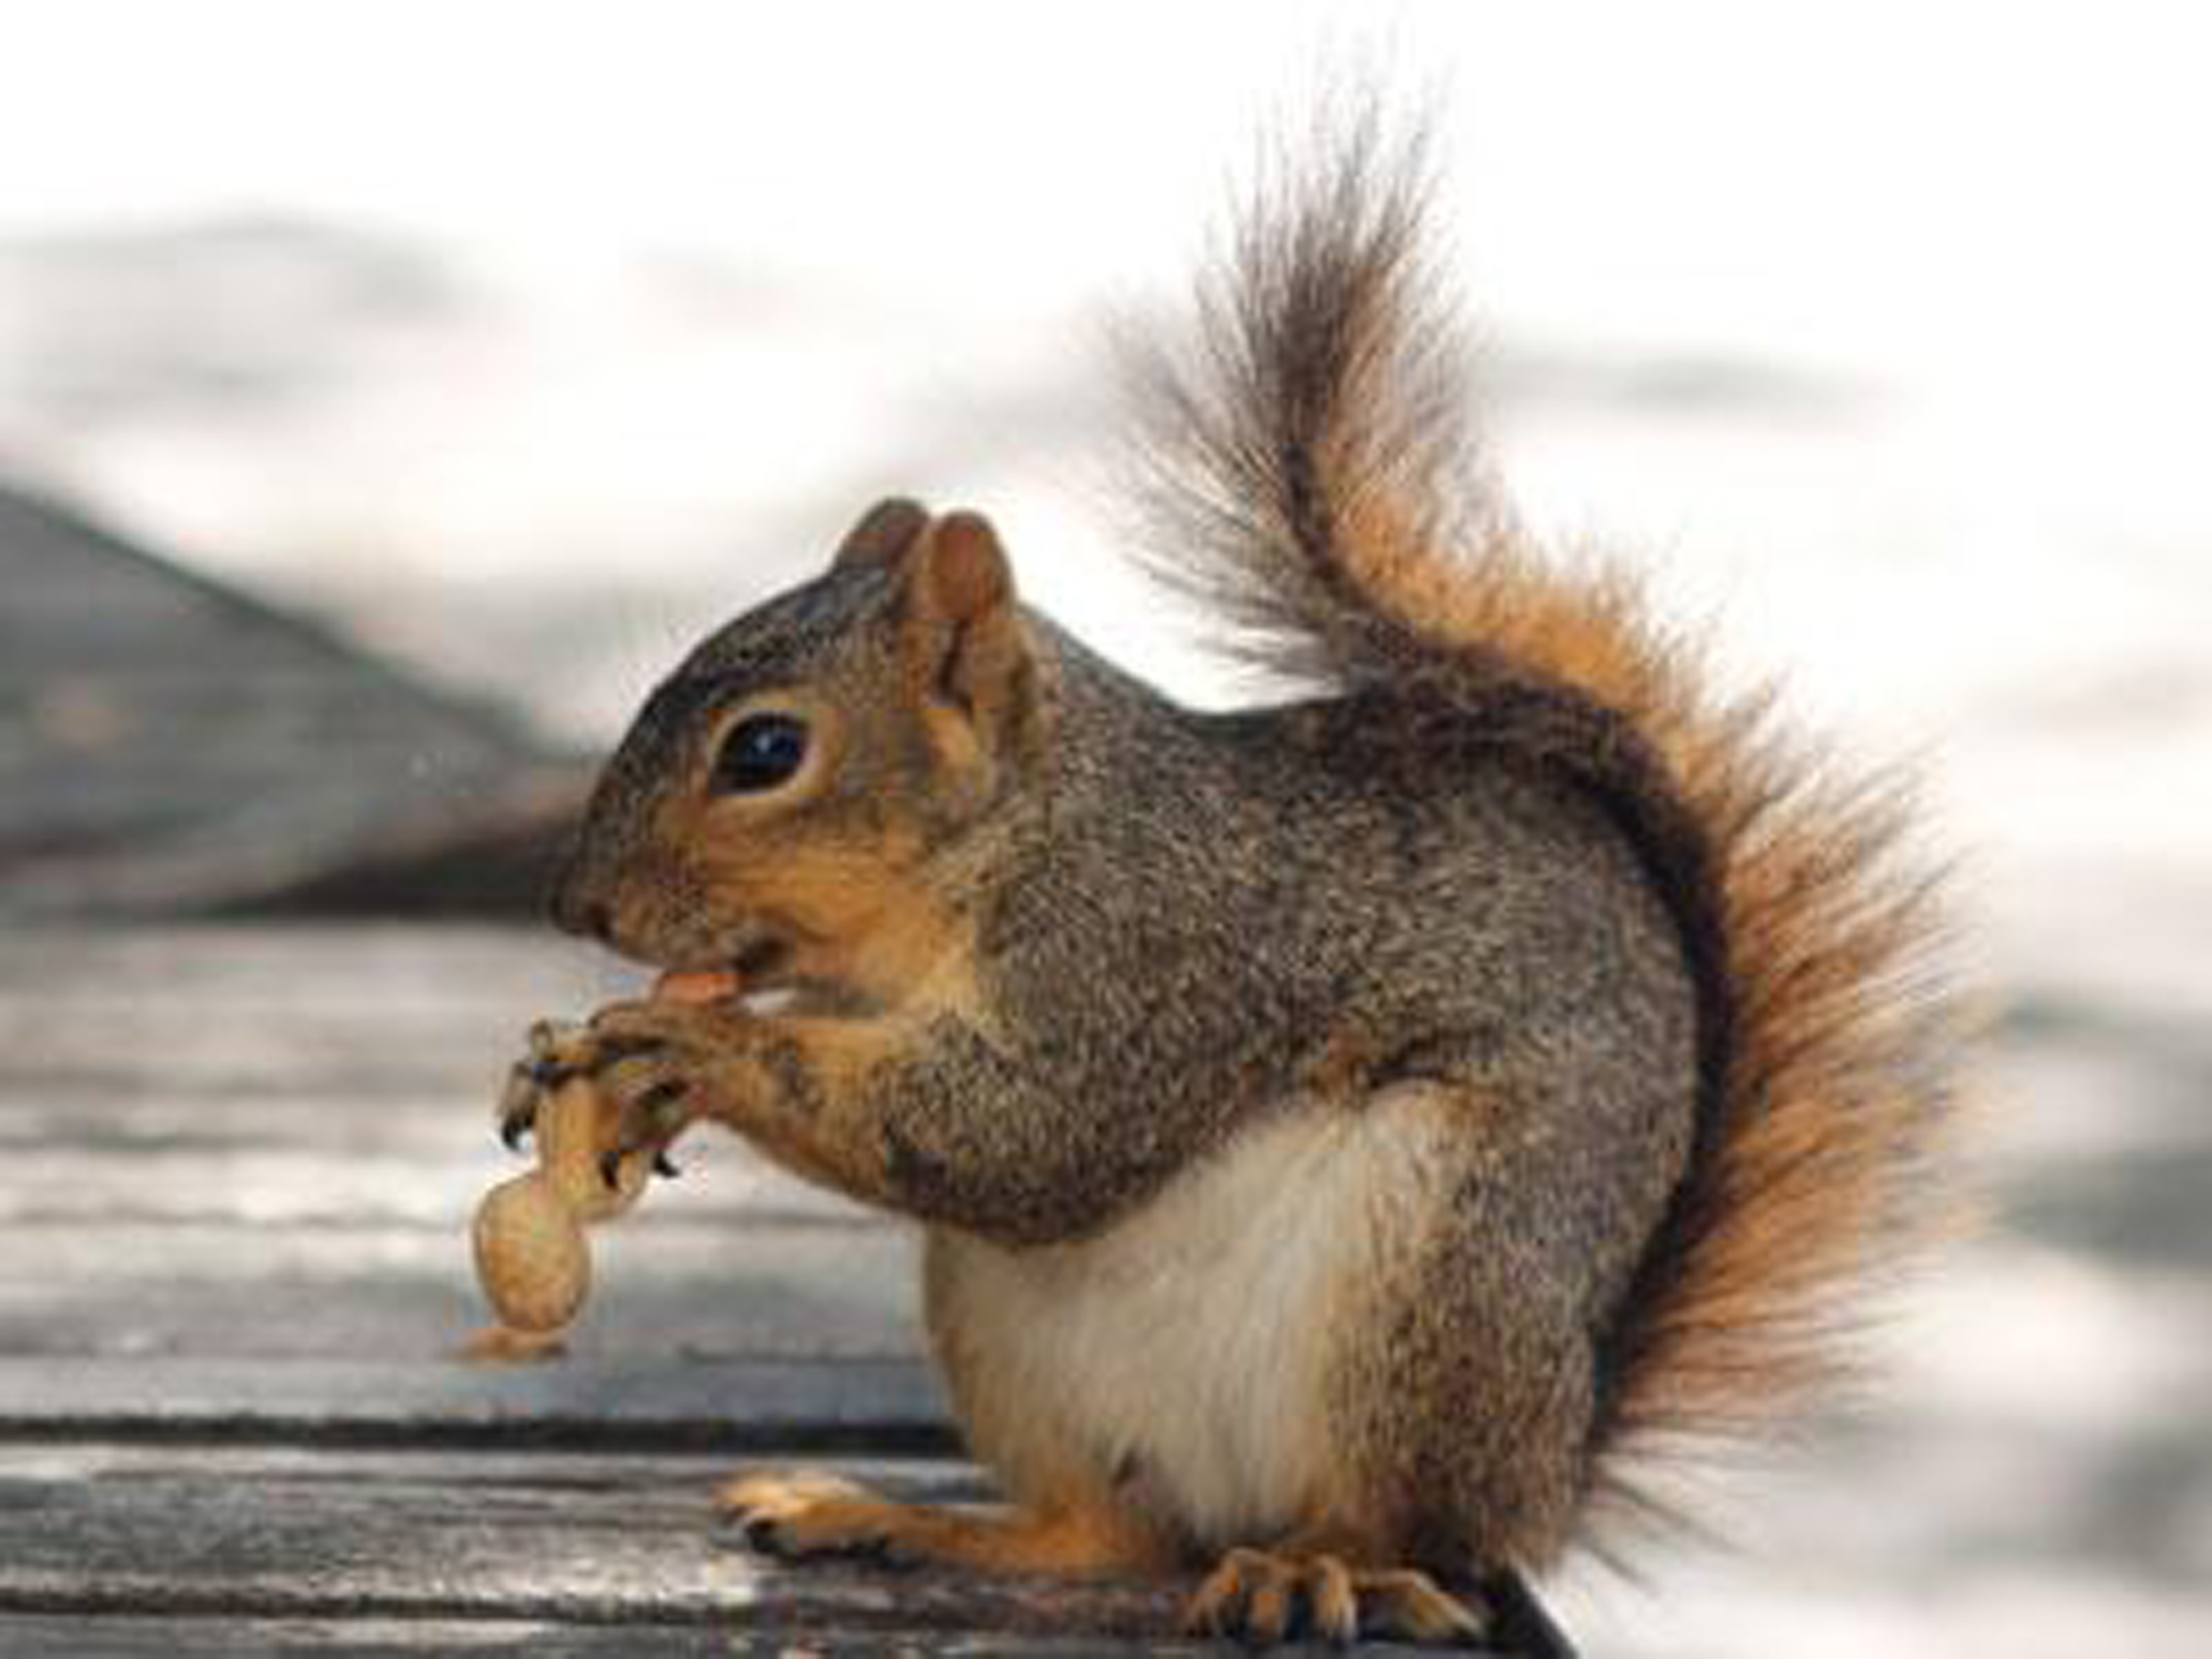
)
(1310, 462)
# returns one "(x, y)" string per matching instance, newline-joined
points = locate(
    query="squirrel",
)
(1355, 1139)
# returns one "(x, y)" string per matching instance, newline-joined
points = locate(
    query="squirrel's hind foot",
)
(1259, 1598)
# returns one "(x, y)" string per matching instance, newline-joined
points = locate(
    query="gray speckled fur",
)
(1239, 902)
(1241, 893)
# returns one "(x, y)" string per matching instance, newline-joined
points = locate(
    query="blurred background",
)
(388, 393)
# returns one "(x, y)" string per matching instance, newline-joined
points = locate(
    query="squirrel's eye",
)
(761, 752)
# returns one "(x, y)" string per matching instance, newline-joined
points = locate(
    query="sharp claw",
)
(542, 1037)
(518, 1107)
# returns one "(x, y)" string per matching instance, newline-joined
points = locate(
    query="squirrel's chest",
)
(1184, 1357)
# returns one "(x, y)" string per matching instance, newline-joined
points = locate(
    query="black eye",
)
(761, 752)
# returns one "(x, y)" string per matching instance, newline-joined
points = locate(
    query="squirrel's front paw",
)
(801, 1515)
(657, 1064)
(650, 1079)
(557, 1050)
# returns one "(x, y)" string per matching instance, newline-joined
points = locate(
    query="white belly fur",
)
(1195, 1336)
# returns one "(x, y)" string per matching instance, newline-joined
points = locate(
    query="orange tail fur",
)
(1313, 476)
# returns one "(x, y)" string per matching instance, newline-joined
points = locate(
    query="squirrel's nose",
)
(575, 909)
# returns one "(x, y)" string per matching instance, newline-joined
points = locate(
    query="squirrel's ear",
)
(963, 626)
(885, 532)
(960, 574)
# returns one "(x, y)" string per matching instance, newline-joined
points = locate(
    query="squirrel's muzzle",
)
(575, 907)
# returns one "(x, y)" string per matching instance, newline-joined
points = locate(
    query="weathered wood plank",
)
(654, 1400)
(685, 1291)
(279, 1073)
(167, 1006)
(185, 1636)
(266, 1141)
(104, 1530)
(373, 1148)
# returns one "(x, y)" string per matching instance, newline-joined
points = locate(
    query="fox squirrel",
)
(1350, 1137)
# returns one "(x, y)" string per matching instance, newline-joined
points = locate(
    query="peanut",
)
(697, 985)
(532, 1256)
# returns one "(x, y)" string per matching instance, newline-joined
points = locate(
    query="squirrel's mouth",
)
(752, 978)
(761, 957)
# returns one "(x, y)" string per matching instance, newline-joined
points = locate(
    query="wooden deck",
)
(235, 1168)
(239, 1164)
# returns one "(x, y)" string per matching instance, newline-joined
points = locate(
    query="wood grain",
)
(416, 1536)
